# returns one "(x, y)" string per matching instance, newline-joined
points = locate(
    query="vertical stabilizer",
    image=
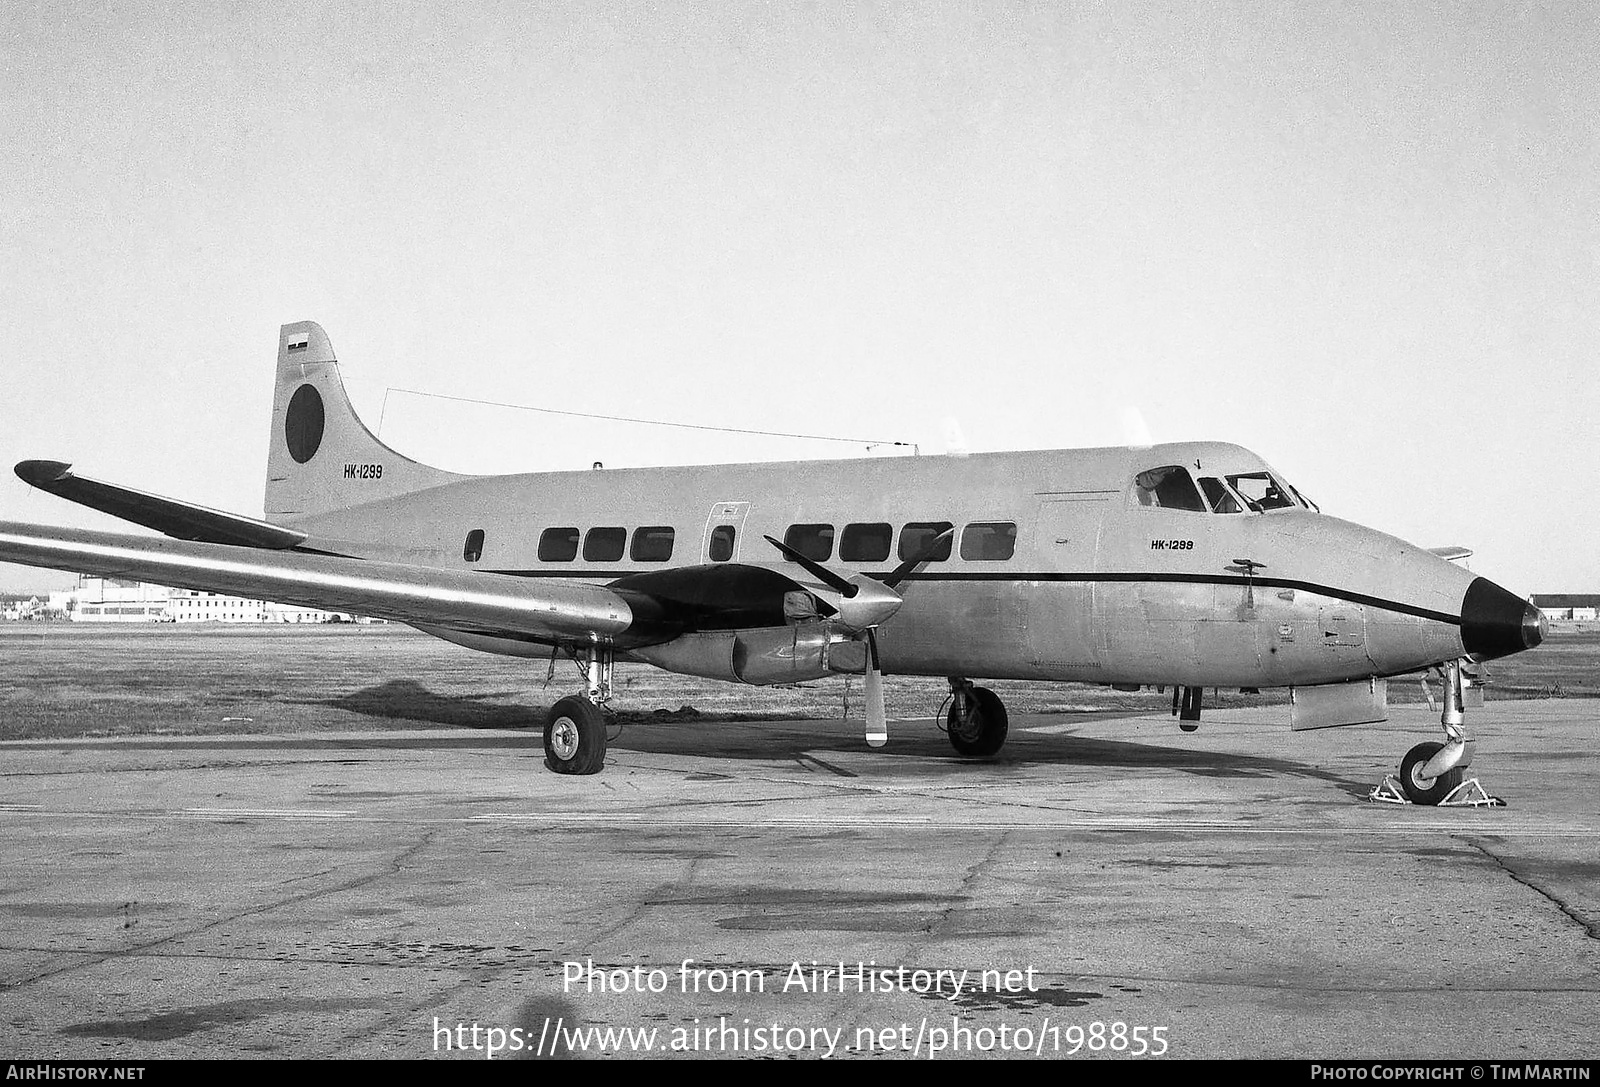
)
(320, 457)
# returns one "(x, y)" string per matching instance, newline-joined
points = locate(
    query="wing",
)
(386, 590)
(181, 520)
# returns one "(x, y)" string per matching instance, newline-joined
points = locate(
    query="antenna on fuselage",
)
(869, 443)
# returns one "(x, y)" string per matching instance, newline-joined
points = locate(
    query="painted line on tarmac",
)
(832, 820)
(1112, 823)
(267, 813)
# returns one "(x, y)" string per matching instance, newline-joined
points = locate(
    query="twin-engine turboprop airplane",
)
(1191, 565)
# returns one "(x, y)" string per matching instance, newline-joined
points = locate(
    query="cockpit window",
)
(1262, 491)
(1170, 488)
(1222, 500)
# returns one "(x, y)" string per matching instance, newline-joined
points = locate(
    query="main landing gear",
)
(575, 731)
(1433, 773)
(977, 719)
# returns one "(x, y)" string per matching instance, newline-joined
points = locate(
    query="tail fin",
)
(320, 457)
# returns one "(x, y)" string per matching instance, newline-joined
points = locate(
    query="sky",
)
(1361, 239)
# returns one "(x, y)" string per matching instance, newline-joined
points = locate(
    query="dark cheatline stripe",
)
(1149, 578)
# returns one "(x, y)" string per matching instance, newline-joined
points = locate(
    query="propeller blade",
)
(815, 569)
(877, 720)
(921, 558)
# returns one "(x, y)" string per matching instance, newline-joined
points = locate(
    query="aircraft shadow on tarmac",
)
(735, 736)
(766, 741)
(408, 700)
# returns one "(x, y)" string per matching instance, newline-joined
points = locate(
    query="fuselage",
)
(1111, 565)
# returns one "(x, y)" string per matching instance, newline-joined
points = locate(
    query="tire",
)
(1421, 790)
(985, 730)
(575, 737)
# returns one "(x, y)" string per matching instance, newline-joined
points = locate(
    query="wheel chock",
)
(1469, 794)
(1388, 792)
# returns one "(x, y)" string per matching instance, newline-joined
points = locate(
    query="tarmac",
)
(1107, 886)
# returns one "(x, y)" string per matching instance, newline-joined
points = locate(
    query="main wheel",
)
(575, 737)
(1423, 790)
(984, 730)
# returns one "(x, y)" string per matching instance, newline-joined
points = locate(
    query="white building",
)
(13, 608)
(1584, 606)
(194, 606)
(115, 600)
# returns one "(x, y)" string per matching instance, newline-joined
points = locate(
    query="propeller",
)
(865, 603)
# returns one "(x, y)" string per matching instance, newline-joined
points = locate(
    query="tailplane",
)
(321, 457)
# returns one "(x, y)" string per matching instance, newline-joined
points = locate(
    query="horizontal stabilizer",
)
(455, 599)
(180, 520)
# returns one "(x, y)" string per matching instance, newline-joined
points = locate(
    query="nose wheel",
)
(1414, 780)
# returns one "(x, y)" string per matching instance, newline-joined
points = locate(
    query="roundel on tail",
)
(302, 423)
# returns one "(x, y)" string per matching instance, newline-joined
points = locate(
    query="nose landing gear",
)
(1432, 773)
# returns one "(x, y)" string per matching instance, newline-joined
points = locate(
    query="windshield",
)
(1173, 487)
(1263, 491)
(1221, 498)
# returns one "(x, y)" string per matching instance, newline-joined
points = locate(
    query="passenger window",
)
(558, 545)
(653, 544)
(1221, 499)
(815, 542)
(868, 542)
(604, 544)
(989, 540)
(917, 535)
(1170, 488)
(721, 547)
(473, 550)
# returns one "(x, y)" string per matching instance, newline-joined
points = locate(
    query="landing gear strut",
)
(575, 731)
(1186, 704)
(977, 719)
(1432, 773)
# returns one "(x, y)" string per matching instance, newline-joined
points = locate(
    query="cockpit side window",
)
(1222, 500)
(1262, 491)
(1170, 488)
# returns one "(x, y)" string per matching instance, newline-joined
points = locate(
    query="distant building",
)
(193, 606)
(117, 600)
(1569, 605)
(14, 607)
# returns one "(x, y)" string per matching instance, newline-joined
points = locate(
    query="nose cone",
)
(1495, 623)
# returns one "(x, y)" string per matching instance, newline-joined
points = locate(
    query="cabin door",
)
(724, 527)
(1061, 609)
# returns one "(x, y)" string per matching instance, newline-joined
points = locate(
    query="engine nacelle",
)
(787, 654)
